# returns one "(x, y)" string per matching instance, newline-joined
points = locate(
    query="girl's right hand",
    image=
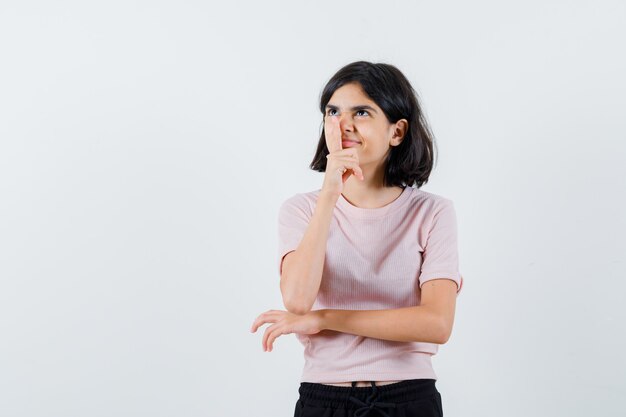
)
(341, 162)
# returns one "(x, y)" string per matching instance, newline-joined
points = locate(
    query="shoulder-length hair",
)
(409, 163)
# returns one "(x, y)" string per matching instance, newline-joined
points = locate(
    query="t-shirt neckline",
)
(369, 213)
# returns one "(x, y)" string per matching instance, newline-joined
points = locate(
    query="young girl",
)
(368, 263)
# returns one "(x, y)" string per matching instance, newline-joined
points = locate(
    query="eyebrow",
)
(359, 107)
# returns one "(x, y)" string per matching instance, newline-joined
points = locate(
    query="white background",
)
(145, 148)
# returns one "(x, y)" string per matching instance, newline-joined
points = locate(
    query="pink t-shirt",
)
(376, 258)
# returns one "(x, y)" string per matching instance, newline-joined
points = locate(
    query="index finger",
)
(333, 134)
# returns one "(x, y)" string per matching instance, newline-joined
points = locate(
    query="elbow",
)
(439, 331)
(445, 330)
(296, 308)
(443, 340)
(293, 302)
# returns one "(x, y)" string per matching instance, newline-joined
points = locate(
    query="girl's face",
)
(363, 121)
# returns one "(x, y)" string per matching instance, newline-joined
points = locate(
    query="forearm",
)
(407, 324)
(301, 281)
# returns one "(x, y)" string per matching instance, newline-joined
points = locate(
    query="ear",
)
(399, 131)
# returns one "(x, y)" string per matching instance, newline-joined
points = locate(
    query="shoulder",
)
(303, 202)
(429, 203)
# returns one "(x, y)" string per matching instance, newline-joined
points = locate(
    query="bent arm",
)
(407, 324)
(429, 322)
(301, 273)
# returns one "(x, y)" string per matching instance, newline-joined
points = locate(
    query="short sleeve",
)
(294, 215)
(440, 258)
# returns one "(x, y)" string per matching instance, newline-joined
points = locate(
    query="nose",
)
(345, 122)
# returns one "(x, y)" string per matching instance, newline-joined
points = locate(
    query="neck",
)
(369, 193)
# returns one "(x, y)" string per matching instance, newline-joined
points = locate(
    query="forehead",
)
(350, 94)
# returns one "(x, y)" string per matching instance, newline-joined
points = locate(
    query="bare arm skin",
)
(302, 269)
(429, 322)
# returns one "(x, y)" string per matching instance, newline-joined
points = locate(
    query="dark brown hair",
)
(412, 160)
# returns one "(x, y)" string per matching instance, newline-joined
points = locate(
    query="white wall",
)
(145, 148)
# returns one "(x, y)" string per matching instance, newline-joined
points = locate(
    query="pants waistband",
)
(335, 396)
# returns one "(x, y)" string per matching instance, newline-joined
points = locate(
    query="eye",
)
(329, 112)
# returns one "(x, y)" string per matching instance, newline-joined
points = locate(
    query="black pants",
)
(409, 398)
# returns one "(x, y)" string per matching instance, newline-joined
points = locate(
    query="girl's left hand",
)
(286, 323)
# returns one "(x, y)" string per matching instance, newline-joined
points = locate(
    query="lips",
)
(345, 139)
(348, 141)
